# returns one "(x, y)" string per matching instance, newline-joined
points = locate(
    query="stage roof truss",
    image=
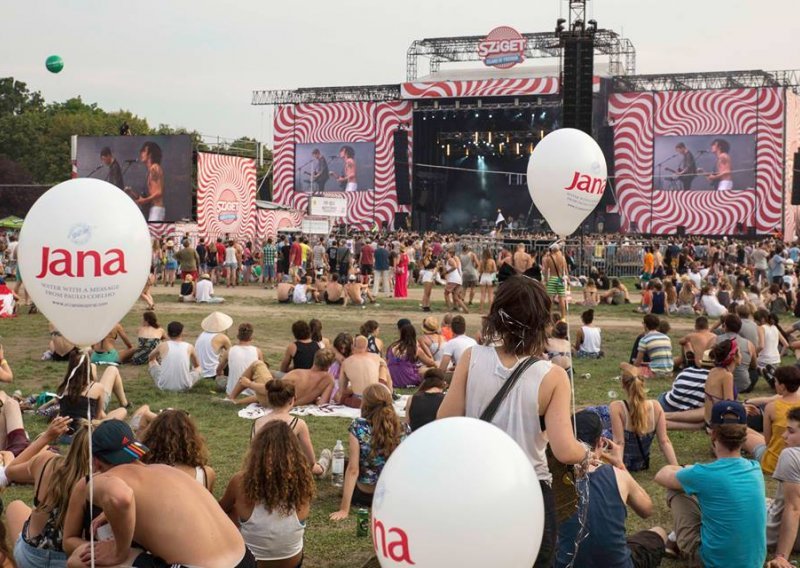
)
(369, 93)
(707, 81)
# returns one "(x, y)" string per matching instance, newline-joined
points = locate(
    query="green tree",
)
(15, 98)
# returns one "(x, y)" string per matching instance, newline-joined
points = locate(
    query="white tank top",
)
(239, 358)
(518, 416)
(230, 255)
(175, 367)
(591, 339)
(272, 536)
(454, 277)
(208, 358)
(770, 354)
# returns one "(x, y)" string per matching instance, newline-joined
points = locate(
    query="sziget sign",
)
(503, 48)
(329, 206)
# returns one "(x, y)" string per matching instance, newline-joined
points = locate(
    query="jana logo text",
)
(61, 262)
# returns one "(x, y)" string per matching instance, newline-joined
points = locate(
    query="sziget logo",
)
(61, 262)
(503, 48)
(227, 207)
(587, 183)
(390, 543)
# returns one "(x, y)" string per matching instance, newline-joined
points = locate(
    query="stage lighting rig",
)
(560, 26)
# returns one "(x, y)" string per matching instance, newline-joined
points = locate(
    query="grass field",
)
(327, 544)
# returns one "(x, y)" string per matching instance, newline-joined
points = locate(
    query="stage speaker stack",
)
(401, 167)
(577, 80)
(796, 179)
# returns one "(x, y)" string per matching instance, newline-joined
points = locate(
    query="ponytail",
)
(637, 400)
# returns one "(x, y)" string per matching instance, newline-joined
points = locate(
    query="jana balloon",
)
(458, 492)
(566, 178)
(54, 64)
(84, 255)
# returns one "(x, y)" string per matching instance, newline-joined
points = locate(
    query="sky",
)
(195, 64)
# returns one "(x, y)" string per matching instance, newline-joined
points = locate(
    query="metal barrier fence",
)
(624, 260)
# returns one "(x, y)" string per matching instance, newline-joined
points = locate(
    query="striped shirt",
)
(688, 390)
(269, 255)
(658, 348)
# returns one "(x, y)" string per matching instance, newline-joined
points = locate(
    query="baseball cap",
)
(728, 412)
(113, 442)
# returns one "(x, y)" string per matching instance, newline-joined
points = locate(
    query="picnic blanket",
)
(255, 410)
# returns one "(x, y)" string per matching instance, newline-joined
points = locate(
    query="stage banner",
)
(155, 171)
(316, 226)
(329, 206)
(226, 196)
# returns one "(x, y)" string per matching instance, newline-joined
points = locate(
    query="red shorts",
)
(16, 441)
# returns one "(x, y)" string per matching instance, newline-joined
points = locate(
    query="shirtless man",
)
(150, 156)
(285, 291)
(522, 261)
(311, 386)
(722, 178)
(334, 292)
(355, 292)
(359, 371)
(696, 342)
(554, 272)
(347, 154)
(174, 519)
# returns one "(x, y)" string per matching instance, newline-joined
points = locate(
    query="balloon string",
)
(91, 458)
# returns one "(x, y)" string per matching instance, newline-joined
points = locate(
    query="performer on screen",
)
(687, 171)
(114, 176)
(150, 156)
(721, 179)
(320, 175)
(348, 178)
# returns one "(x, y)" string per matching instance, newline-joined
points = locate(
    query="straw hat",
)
(216, 322)
(430, 323)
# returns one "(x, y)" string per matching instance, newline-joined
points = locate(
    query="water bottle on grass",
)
(337, 469)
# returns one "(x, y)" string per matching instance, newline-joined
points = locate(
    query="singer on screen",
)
(150, 156)
(687, 171)
(348, 179)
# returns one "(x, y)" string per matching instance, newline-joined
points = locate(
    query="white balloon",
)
(84, 255)
(458, 492)
(566, 178)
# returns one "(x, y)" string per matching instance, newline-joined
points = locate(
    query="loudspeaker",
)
(400, 221)
(577, 82)
(681, 231)
(796, 179)
(401, 180)
(751, 232)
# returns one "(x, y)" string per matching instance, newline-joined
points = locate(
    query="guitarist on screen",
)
(721, 179)
(347, 180)
(687, 171)
(321, 173)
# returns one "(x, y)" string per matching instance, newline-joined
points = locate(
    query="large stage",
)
(465, 136)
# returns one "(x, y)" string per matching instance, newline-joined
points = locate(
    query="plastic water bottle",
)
(337, 467)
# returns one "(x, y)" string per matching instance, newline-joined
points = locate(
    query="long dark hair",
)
(316, 329)
(519, 316)
(77, 376)
(407, 344)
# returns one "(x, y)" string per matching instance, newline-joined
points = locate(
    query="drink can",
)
(362, 522)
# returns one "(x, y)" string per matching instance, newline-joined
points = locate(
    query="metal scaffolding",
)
(358, 94)
(621, 52)
(712, 80)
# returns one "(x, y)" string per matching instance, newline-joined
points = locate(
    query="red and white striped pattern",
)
(342, 122)
(481, 88)
(270, 221)
(792, 217)
(639, 117)
(161, 230)
(226, 185)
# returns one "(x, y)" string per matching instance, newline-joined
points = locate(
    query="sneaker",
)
(671, 547)
(325, 459)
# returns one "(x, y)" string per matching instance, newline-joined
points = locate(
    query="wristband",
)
(780, 555)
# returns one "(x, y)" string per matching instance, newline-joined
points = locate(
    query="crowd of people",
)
(152, 471)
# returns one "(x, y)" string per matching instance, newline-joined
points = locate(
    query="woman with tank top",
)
(315, 326)
(271, 497)
(770, 339)
(636, 421)
(300, 353)
(515, 330)
(79, 393)
(280, 398)
(558, 348)
(431, 339)
(422, 407)
(371, 329)
(487, 275)
(170, 263)
(173, 439)
(588, 342)
(38, 532)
